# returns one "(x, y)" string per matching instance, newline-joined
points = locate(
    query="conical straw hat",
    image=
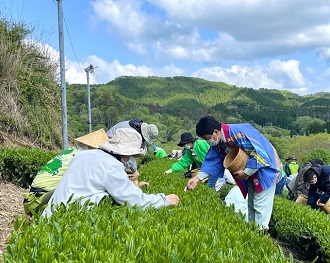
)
(93, 139)
(235, 160)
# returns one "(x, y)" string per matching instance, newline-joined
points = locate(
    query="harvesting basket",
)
(302, 199)
(326, 207)
(235, 160)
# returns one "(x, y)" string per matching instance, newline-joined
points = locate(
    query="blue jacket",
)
(262, 156)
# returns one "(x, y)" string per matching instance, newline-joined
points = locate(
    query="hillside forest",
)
(30, 95)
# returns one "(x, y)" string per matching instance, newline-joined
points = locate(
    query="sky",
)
(272, 44)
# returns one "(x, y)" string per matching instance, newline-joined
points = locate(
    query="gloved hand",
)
(168, 171)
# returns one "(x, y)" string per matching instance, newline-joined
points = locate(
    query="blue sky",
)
(275, 44)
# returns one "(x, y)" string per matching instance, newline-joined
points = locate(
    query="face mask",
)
(212, 142)
(125, 163)
(314, 181)
(187, 146)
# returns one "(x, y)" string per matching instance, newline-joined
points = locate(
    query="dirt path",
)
(11, 204)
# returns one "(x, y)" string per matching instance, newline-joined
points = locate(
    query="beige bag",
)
(325, 208)
(302, 199)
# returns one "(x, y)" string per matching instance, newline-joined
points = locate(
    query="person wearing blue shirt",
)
(262, 171)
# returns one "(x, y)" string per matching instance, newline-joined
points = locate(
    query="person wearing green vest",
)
(195, 153)
(49, 176)
(291, 166)
(159, 152)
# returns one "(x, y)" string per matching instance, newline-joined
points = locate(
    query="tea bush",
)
(306, 229)
(199, 229)
(20, 165)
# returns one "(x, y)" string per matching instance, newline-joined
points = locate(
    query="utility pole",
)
(62, 74)
(89, 69)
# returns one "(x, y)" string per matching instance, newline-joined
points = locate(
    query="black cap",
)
(291, 158)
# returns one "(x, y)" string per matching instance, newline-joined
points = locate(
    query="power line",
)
(18, 12)
(67, 31)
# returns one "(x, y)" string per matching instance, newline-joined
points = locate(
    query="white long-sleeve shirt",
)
(94, 174)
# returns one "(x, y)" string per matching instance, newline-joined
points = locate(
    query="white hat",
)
(149, 132)
(125, 141)
(93, 139)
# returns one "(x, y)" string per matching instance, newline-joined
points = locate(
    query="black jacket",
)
(320, 190)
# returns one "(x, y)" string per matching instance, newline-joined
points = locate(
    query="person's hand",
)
(143, 184)
(173, 199)
(192, 183)
(241, 175)
(134, 176)
(168, 171)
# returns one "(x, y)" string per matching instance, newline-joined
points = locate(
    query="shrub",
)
(20, 165)
(323, 154)
(200, 229)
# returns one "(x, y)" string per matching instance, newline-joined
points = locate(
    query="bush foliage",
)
(200, 229)
(20, 165)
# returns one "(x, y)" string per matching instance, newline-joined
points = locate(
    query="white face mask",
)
(187, 146)
(314, 181)
(125, 162)
(212, 142)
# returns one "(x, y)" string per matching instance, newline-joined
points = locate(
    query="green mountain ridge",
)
(192, 98)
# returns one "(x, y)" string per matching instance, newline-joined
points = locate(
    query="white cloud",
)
(137, 48)
(238, 29)
(127, 20)
(277, 75)
(287, 72)
(105, 71)
(239, 76)
(221, 38)
(324, 54)
(248, 20)
(76, 74)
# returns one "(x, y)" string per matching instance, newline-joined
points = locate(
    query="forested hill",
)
(183, 100)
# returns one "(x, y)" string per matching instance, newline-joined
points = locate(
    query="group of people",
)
(296, 185)
(102, 165)
(307, 184)
(263, 171)
(108, 168)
